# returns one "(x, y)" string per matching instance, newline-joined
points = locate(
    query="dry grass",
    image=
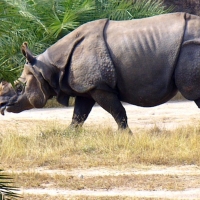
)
(138, 182)
(58, 147)
(43, 197)
(49, 145)
(47, 197)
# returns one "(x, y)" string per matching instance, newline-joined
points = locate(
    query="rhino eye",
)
(19, 88)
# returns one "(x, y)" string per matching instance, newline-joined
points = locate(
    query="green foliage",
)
(68, 15)
(126, 9)
(7, 192)
(42, 22)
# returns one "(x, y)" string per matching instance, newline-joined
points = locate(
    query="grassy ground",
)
(59, 147)
(51, 146)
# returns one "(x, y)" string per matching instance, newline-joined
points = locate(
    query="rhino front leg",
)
(111, 103)
(82, 108)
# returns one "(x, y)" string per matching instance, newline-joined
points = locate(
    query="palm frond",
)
(7, 191)
(24, 9)
(68, 15)
(126, 10)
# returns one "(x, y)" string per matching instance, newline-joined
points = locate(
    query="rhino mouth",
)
(4, 103)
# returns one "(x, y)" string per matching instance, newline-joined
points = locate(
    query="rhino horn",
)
(27, 53)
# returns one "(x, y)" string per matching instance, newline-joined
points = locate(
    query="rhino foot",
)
(2, 108)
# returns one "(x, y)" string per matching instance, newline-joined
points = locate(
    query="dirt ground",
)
(169, 116)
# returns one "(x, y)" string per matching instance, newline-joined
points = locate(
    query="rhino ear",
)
(4, 83)
(27, 53)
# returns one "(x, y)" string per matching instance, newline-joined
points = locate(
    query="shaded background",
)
(190, 6)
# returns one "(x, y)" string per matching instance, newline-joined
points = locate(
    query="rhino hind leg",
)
(82, 108)
(197, 102)
(187, 72)
(111, 103)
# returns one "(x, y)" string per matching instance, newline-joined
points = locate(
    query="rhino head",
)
(29, 91)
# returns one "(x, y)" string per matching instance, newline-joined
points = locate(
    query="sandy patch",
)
(169, 115)
(188, 194)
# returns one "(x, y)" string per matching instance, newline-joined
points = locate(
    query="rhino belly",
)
(146, 94)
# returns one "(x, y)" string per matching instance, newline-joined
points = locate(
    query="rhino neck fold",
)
(49, 72)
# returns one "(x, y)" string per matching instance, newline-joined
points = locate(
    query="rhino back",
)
(144, 53)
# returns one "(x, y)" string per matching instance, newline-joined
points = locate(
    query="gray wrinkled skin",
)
(143, 62)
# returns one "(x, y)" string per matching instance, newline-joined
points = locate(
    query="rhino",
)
(143, 62)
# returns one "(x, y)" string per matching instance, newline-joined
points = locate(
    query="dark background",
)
(190, 6)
